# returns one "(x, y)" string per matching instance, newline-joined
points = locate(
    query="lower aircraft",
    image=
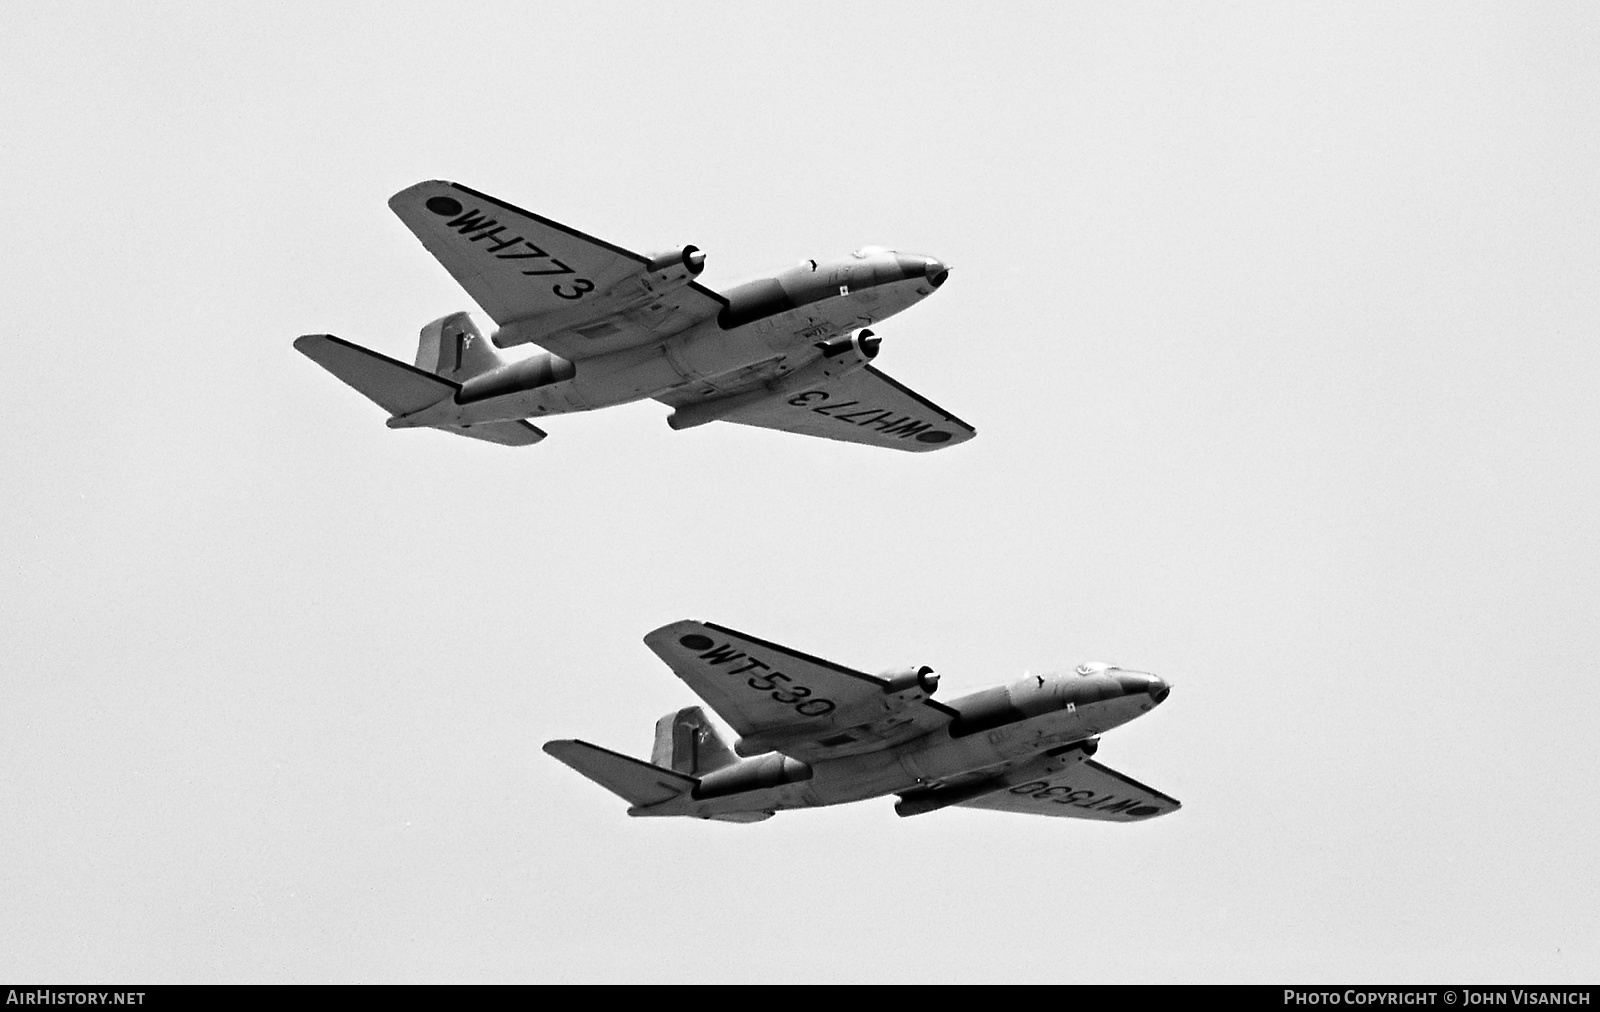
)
(814, 733)
(789, 351)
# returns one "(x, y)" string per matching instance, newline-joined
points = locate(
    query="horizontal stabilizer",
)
(634, 780)
(513, 433)
(396, 387)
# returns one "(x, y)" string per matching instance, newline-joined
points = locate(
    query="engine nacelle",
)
(840, 357)
(771, 770)
(534, 371)
(901, 679)
(660, 274)
(691, 258)
(861, 347)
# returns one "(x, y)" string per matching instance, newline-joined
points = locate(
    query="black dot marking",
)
(445, 206)
(695, 641)
(933, 436)
(1140, 813)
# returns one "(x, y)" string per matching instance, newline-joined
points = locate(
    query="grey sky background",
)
(1278, 327)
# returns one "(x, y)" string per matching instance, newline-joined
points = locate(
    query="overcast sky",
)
(1278, 325)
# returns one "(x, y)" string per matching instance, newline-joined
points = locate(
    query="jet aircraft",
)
(814, 733)
(789, 351)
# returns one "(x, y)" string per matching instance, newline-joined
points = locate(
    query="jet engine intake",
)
(1088, 746)
(901, 679)
(863, 344)
(691, 257)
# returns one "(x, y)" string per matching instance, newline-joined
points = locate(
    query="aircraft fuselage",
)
(1014, 730)
(774, 321)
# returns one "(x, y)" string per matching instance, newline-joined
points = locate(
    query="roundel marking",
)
(933, 436)
(444, 206)
(1144, 810)
(695, 641)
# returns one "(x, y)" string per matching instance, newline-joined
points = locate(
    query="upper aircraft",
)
(813, 733)
(789, 352)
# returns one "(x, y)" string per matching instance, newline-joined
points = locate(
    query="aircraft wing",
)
(566, 291)
(1085, 790)
(782, 700)
(864, 406)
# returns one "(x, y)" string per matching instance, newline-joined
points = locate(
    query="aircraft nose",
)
(936, 271)
(1133, 683)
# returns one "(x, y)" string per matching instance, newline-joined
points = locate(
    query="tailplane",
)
(398, 388)
(404, 390)
(639, 783)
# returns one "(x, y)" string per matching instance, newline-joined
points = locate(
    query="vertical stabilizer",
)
(687, 742)
(452, 347)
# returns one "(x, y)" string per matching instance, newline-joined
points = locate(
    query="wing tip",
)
(964, 434)
(305, 342)
(660, 633)
(913, 394)
(425, 183)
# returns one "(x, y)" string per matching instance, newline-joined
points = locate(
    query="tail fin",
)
(452, 347)
(686, 741)
(635, 781)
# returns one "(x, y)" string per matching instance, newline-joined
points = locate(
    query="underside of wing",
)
(508, 433)
(547, 283)
(779, 699)
(865, 406)
(1085, 790)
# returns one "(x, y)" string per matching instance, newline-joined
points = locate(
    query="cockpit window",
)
(866, 251)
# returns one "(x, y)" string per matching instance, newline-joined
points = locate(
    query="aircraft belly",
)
(707, 352)
(629, 376)
(920, 763)
(1048, 730)
(929, 761)
(553, 399)
(701, 354)
(857, 777)
(1035, 734)
(766, 799)
(941, 757)
(828, 318)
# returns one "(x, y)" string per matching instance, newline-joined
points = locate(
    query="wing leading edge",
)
(569, 292)
(865, 406)
(778, 699)
(1085, 790)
